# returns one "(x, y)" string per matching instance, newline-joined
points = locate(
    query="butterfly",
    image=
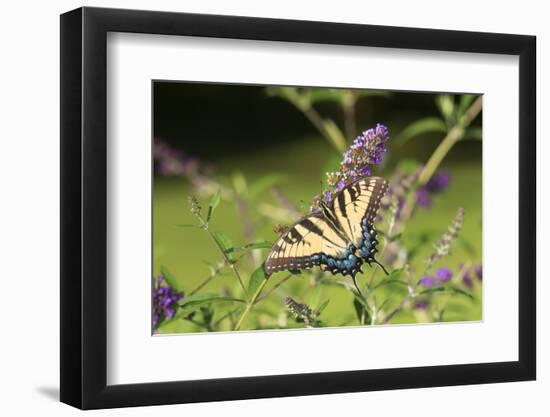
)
(338, 238)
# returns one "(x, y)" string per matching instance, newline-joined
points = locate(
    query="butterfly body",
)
(339, 238)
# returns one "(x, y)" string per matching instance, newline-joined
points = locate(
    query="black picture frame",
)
(84, 207)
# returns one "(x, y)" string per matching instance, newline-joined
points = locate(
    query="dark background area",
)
(247, 119)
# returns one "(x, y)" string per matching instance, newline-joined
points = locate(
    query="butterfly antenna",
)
(381, 266)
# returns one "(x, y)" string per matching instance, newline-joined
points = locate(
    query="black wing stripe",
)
(312, 227)
(342, 203)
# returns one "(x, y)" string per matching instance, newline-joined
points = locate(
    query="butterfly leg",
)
(380, 265)
(355, 284)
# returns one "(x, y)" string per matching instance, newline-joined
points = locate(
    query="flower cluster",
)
(196, 208)
(365, 151)
(437, 184)
(165, 300)
(398, 189)
(302, 312)
(468, 273)
(441, 276)
(443, 246)
(173, 162)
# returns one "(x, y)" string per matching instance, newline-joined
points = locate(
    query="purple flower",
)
(467, 279)
(439, 181)
(443, 274)
(172, 162)
(427, 281)
(165, 300)
(423, 198)
(420, 305)
(478, 272)
(365, 151)
(328, 196)
(437, 184)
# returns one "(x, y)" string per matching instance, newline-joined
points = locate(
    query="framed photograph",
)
(258, 208)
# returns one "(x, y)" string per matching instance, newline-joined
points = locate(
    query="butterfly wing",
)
(313, 241)
(355, 209)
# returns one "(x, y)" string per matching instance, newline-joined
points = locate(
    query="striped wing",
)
(354, 208)
(309, 242)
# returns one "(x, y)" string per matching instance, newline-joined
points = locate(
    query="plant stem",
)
(397, 309)
(336, 139)
(454, 134)
(229, 263)
(281, 282)
(250, 304)
(214, 273)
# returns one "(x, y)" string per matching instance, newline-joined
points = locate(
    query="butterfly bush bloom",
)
(365, 151)
(302, 312)
(165, 300)
(443, 246)
(478, 272)
(421, 305)
(437, 184)
(467, 278)
(427, 281)
(467, 275)
(443, 274)
(173, 162)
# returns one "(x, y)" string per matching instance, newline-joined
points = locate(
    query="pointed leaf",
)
(446, 105)
(449, 290)
(421, 126)
(259, 245)
(214, 202)
(256, 279)
(314, 297)
(225, 242)
(322, 306)
(192, 303)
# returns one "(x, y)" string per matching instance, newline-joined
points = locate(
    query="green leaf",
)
(195, 301)
(250, 246)
(422, 126)
(168, 277)
(256, 279)
(448, 290)
(327, 94)
(361, 308)
(214, 202)
(239, 183)
(259, 245)
(314, 297)
(322, 306)
(225, 242)
(187, 225)
(392, 278)
(446, 105)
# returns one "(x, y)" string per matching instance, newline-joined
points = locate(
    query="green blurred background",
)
(241, 135)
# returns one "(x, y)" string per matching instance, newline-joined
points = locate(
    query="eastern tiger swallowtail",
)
(338, 238)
